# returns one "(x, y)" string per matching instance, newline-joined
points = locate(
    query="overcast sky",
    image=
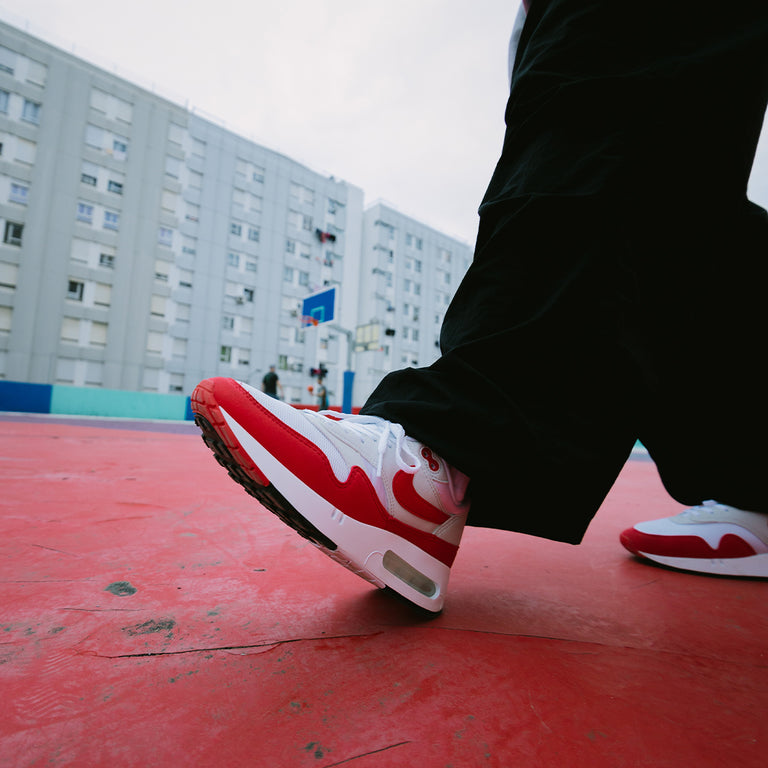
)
(403, 98)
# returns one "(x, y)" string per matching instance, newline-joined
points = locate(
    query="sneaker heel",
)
(409, 575)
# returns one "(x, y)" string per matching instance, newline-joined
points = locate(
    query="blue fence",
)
(90, 401)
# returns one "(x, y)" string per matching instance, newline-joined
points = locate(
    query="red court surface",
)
(153, 614)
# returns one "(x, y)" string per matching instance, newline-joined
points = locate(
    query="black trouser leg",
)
(606, 233)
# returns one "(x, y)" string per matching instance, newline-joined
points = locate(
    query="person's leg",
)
(532, 395)
(623, 137)
(540, 389)
(706, 418)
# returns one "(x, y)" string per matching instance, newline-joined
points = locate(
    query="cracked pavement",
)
(151, 612)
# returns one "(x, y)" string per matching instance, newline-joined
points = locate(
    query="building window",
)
(198, 148)
(19, 193)
(301, 193)
(13, 233)
(103, 295)
(37, 73)
(290, 246)
(414, 242)
(8, 275)
(288, 274)
(157, 306)
(6, 319)
(86, 178)
(236, 229)
(94, 136)
(165, 236)
(304, 278)
(172, 167)
(176, 134)
(106, 260)
(31, 111)
(248, 294)
(111, 220)
(225, 354)
(161, 271)
(233, 259)
(251, 266)
(119, 149)
(115, 186)
(70, 330)
(253, 234)
(227, 322)
(4, 98)
(154, 343)
(85, 213)
(75, 290)
(7, 60)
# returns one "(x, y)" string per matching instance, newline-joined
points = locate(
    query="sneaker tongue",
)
(458, 483)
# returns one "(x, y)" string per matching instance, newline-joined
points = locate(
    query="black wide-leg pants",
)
(618, 286)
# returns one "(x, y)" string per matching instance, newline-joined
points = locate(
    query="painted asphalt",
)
(151, 613)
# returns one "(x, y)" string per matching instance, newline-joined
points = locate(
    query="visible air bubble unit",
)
(407, 573)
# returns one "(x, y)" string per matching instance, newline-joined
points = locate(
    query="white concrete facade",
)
(145, 248)
(409, 274)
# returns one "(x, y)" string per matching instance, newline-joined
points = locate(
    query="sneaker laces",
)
(376, 428)
(710, 506)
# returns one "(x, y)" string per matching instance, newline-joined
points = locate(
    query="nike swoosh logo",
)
(355, 496)
(413, 502)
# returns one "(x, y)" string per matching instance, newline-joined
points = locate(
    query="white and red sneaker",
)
(372, 498)
(710, 538)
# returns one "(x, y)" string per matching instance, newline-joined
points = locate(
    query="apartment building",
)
(409, 274)
(145, 247)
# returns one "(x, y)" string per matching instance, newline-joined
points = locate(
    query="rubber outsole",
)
(754, 567)
(380, 557)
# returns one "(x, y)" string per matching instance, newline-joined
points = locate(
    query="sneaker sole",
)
(380, 557)
(755, 566)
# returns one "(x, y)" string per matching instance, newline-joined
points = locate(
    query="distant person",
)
(271, 383)
(616, 294)
(322, 395)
